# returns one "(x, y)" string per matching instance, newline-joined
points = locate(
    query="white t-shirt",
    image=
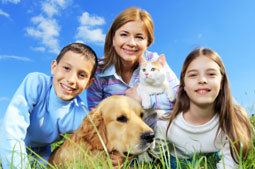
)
(184, 139)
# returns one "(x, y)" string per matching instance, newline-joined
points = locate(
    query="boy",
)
(45, 107)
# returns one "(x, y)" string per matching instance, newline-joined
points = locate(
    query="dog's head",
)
(121, 126)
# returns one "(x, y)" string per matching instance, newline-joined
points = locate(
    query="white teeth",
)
(202, 91)
(67, 88)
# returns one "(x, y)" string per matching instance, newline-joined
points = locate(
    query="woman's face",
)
(130, 42)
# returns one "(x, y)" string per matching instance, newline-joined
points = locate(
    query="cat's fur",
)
(153, 80)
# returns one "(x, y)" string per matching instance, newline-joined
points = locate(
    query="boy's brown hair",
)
(82, 49)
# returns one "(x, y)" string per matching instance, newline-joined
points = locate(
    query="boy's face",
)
(71, 75)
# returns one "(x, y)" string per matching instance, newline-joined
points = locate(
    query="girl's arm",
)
(226, 160)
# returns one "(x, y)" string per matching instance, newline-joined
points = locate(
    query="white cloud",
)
(49, 9)
(88, 31)
(52, 7)
(41, 49)
(11, 1)
(86, 19)
(62, 3)
(14, 57)
(47, 30)
(4, 13)
(4, 99)
(45, 26)
(90, 35)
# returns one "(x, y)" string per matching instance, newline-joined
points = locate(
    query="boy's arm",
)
(15, 123)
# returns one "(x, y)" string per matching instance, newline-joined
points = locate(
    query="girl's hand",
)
(132, 92)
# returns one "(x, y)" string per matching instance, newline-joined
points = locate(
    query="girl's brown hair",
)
(128, 15)
(233, 119)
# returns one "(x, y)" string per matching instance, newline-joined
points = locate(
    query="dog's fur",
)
(119, 121)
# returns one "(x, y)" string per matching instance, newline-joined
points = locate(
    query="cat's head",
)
(151, 71)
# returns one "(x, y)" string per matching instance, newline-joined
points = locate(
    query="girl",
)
(204, 119)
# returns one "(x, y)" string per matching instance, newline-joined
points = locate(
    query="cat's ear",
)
(141, 60)
(161, 59)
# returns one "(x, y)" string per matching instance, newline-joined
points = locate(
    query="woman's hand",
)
(132, 92)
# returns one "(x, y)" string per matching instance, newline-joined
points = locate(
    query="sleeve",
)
(15, 123)
(94, 94)
(160, 101)
(226, 160)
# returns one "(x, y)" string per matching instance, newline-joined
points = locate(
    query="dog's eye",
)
(142, 114)
(122, 119)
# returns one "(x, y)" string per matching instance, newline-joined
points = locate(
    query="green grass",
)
(199, 160)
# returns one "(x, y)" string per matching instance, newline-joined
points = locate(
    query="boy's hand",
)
(132, 92)
(117, 159)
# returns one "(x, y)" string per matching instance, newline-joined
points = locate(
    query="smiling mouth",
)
(129, 51)
(66, 88)
(202, 91)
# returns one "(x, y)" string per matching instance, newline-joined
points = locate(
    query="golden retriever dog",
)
(115, 125)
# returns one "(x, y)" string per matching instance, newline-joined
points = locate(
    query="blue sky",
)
(33, 32)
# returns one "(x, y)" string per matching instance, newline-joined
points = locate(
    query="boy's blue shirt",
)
(36, 117)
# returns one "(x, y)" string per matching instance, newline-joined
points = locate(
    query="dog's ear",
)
(88, 132)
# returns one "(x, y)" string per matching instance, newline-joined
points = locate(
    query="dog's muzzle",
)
(148, 137)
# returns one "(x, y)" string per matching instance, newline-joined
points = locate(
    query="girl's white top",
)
(184, 139)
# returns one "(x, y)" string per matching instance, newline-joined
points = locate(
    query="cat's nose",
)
(146, 74)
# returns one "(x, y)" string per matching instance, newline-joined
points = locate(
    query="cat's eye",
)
(153, 69)
(144, 69)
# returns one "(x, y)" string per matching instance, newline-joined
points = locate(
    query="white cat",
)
(153, 80)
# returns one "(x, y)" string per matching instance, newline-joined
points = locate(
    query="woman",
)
(127, 40)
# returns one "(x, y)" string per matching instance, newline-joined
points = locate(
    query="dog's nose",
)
(148, 137)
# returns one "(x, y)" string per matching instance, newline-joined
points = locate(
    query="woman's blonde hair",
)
(233, 119)
(128, 15)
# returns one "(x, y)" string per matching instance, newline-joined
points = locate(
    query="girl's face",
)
(202, 81)
(130, 41)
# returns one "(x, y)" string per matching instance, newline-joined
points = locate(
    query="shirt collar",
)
(110, 71)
